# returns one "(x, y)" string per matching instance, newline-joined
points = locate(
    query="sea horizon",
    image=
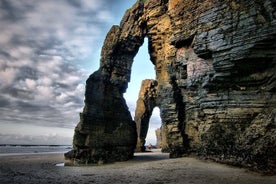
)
(31, 149)
(35, 144)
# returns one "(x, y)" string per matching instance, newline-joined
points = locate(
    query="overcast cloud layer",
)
(46, 48)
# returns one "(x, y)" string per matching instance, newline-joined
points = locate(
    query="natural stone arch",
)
(215, 68)
(145, 104)
(106, 131)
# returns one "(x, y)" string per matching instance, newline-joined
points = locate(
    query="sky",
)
(48, 48)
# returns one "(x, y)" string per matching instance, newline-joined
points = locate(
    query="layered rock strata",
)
(228, 51)
(215, 68)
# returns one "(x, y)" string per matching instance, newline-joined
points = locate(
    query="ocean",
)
(9, 149)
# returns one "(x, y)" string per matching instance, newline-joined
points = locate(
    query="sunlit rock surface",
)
(144, 107)
(215, 69)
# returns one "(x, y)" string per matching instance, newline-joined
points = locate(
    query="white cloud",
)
(20, 52)
(30, 83)
(45, 91)
(105, 16)
(49, 64)
(8, 76)
(71, 79)
(47, 80)
(52, 139)
(19, 62)
(5, 37)
(62, 98)
(92, 4)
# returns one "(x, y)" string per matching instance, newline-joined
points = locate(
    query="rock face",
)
(106, 131)
(228, 51)
(215, 69)
(158, 133)
(144, 107)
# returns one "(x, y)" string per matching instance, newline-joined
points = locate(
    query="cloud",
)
(44, 45)
(33, 134)
(52, 139)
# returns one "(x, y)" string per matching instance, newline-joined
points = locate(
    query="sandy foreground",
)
(153, 167)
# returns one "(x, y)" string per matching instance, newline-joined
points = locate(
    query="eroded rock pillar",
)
(106, 131)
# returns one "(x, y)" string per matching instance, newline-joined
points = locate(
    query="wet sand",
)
(153, 167)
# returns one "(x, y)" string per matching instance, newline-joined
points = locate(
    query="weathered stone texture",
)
(106, 131)
(215, 69)
(229, 57)
(144, 107)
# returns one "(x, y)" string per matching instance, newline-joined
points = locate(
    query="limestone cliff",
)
(215, 69)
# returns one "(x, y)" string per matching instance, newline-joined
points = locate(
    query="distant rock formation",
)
(215, 69)
(158, 133)
(144, 107)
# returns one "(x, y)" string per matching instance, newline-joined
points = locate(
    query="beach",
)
(152, 167)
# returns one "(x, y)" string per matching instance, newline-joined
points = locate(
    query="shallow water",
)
(9, 150)
(60, 164)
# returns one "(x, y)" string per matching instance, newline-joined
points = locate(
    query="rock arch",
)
(145, 104)
(215, 65)
(106, 131)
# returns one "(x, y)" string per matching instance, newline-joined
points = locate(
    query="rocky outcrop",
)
(215, 69)
(229, 86)
(144, 107)
(158, 133)
(106, 131)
